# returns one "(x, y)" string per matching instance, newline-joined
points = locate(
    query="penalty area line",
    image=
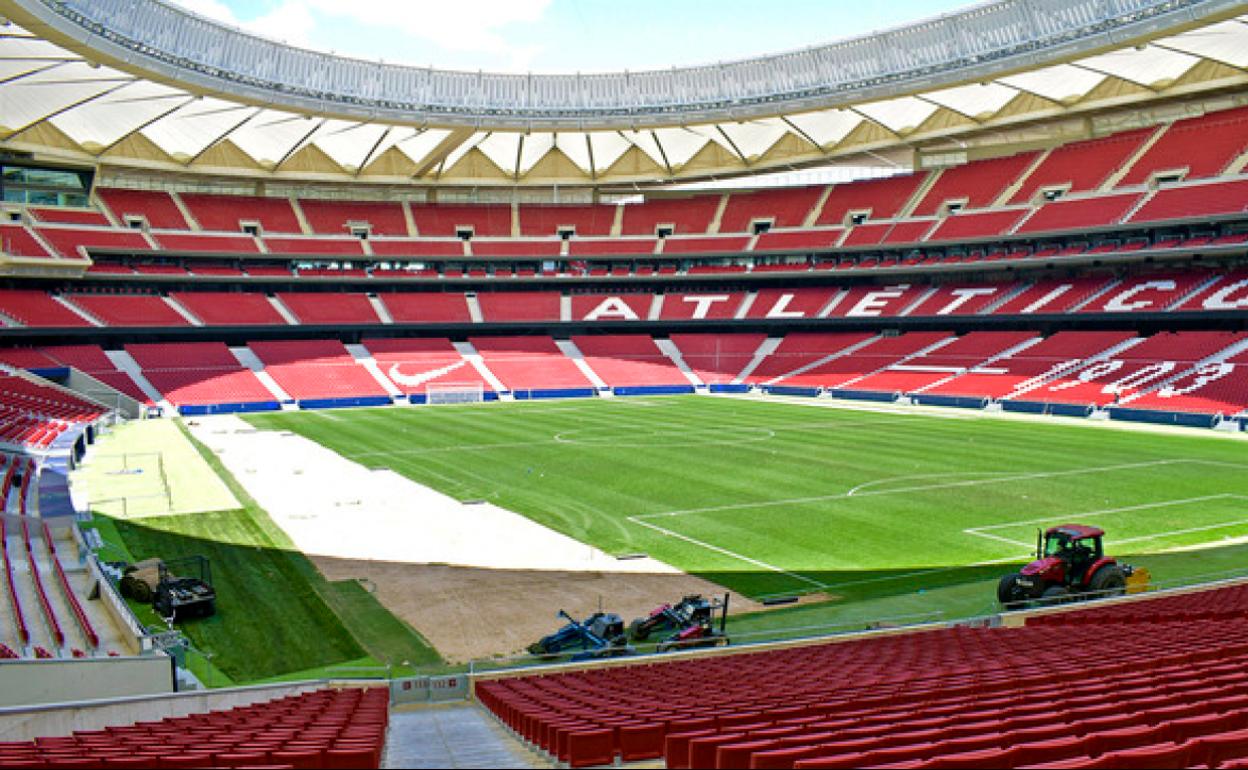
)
(726, 552)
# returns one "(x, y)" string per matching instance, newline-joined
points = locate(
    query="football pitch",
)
(771, 497)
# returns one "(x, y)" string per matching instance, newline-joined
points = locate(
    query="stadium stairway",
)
(126, 363)
(454, 736)
(251, 361)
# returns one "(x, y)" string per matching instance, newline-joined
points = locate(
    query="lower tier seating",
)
(316, 369)
(628, 360)
(1167, 693)
(529, 363)
(325, 728)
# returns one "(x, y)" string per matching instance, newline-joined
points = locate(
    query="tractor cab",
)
(1065, 553)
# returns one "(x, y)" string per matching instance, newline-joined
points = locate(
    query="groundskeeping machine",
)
(177, 589)
(1070, 564)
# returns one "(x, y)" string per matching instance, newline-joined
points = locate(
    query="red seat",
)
(1161, 756)
(301, 759)
(984, 759)
(585, 748)
(184, 761)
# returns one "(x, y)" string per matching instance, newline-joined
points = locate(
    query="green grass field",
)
(774, 498)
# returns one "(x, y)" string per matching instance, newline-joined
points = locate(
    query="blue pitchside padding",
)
(729, 388)
(652, 390)
(339, 403)
(1162, 417)
(56, 374)
(962, 402)
(54, 500)
(865, 395)
(536, 393)
(789, 390)
(194, 410)
(1041, 407)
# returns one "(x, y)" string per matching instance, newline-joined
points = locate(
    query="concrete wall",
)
(26, 682)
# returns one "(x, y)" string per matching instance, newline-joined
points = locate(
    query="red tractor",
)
(1070, 564)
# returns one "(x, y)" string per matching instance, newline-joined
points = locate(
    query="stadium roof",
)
(137, 84)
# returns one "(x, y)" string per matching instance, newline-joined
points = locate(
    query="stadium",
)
(876, 403)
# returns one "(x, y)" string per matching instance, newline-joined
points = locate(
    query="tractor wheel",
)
(638, 631)
(1008, 593)
(1054, 595)
(1108, 581)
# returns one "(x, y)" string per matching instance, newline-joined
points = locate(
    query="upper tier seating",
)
(1229, 292)
(628, 360)
(412, 248)
(323, 728)
(129, 309)
(155, 206)
(799, 240)
(1052, 296)
(34, 414)
(876, 355)
(1082, 166)
(315, 369)
(329, 307)
(613, 247)
(883, 198)
(977, 185)
(335, 247)
(415, 363)
(227, 213)
(529, 363)
(876, 301)
(192, 373)
(444, 221)
(717, 358)
(962, 299)
(37, 308)
(65, 216)
(218, 308)
(516, 248)
(427, 307)
(72, 242)
(519, 306)
(687, 216)
(784, 207)
(336, 217)
(980, 224)
(708, 245)
(1194, 202)
(206, 243)
(18, 241)
(544, 221)
(1066, 214)
(1204, 146)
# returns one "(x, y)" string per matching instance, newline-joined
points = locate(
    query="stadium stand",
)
(339, 217)
(1053, 296)
(530, 364)
(324, 728)
(790, 303)
(516, 248)
(798, 240)
(446, 221)
(686, 216)
(155, 207)
(332, 247)
(317, 371)
(980, 224)
(543, 221)
(611, 307)
(1076, 213)
(1082, 166)
(37, 308)
(709, 245)
(1199, 201)
(925, 370)
(977, 185)
(782, 208)
(426, 307)
(711, 305)
(74, 243)
(329, 307)
(519, 306)
(393, 247)
(881, 198)
(415, 363)
(129, 309)
(92, 360)
(65, 216)
(958, 299)
(879, 354)
(206, 243)
(229, 308)
(609, 248)
(198, 374)
(717, 359)
(18, 241)
(1200, 147)
(1149, 292)
(228, 213)
(628, 360)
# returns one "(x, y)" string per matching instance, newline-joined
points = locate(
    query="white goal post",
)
(455, 393)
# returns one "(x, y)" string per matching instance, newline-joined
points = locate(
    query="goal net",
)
(129, 484)
(455, 393)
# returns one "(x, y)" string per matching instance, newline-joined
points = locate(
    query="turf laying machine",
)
(181, 594)
(1070, 565)
(601, 635)
(694, 621)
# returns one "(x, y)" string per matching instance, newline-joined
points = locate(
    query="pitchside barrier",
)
(962, 402)
(730, 388)
(534, 394)
(1045, 407)
(341, 403)
(864, 395)
(1163, 417)
(197, 410)
(429, 689)
(652, 390)
(790, 390)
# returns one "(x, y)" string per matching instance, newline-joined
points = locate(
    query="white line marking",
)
(946, 474)
(726, 552)
(921, 488)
